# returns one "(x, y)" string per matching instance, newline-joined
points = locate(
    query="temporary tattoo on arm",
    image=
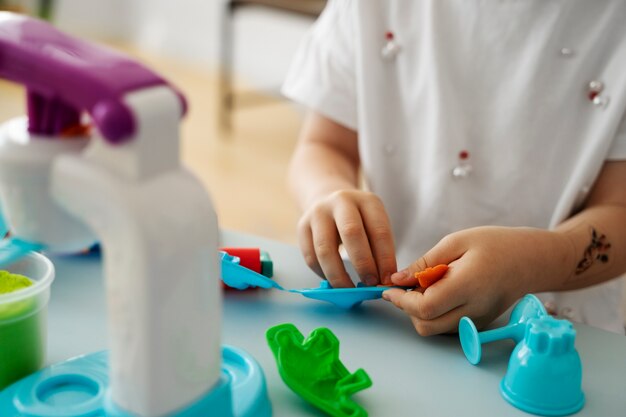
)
(598, 250)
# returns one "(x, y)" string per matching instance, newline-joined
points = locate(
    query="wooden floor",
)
(245, 172)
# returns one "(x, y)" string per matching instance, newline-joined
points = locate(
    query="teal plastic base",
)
(540, 409)
(80, 388)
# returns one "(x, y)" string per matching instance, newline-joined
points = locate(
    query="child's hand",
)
(359, 221)
(489, 269)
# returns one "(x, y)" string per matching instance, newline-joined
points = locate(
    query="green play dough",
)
(22, 332)
(12, 282)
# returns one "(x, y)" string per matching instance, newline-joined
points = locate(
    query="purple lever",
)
(66, 75)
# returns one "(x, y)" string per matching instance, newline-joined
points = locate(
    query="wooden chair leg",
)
(225, 89)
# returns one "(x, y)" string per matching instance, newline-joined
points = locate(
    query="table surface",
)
(412, 375)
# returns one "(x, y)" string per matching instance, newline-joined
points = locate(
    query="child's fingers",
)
(394, 295)
(355, 241)
(426, 306)
(404, 279)
(305, 241)
(380, 238)
(424, 278)
(443, 253)
(326, 247)
(446, 323)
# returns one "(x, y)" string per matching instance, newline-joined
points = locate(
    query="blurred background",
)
(229, 58)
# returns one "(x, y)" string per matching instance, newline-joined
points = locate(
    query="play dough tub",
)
(23, 318)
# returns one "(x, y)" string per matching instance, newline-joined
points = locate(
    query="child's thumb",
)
(429, 268)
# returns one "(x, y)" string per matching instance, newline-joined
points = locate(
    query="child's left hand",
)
(489, 269)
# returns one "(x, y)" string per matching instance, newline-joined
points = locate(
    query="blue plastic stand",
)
(545, 372)
(79, 388)
(527, 308)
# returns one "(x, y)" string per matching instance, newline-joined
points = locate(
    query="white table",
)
(412, 375)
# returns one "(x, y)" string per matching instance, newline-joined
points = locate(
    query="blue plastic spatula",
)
(239, 277)
(342, 297)
(12, 249)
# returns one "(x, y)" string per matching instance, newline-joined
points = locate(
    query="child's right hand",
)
(358, 220)
(490, 268)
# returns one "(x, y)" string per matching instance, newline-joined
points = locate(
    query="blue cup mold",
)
(545, 372)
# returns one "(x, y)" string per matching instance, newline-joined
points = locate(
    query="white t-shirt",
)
(506, 81)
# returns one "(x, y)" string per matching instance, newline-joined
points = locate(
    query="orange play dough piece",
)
(429, 276)
(77, 130)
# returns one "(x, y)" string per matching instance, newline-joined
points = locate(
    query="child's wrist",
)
(325, 191)
(556, 258)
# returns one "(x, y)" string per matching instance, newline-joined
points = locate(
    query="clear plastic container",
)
(23, 316)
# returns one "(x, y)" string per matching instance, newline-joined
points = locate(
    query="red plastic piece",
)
(249, 258)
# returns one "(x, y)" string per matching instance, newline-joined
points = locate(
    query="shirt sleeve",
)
(322, 73)
(617, 152)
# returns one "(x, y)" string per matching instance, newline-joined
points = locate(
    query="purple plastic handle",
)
(65, 75)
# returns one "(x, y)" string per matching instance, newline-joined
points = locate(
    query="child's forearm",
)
(325, 160)
(591, 246)
(597, 237)
(316, 171)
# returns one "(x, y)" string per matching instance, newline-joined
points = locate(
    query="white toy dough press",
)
(63, 188)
